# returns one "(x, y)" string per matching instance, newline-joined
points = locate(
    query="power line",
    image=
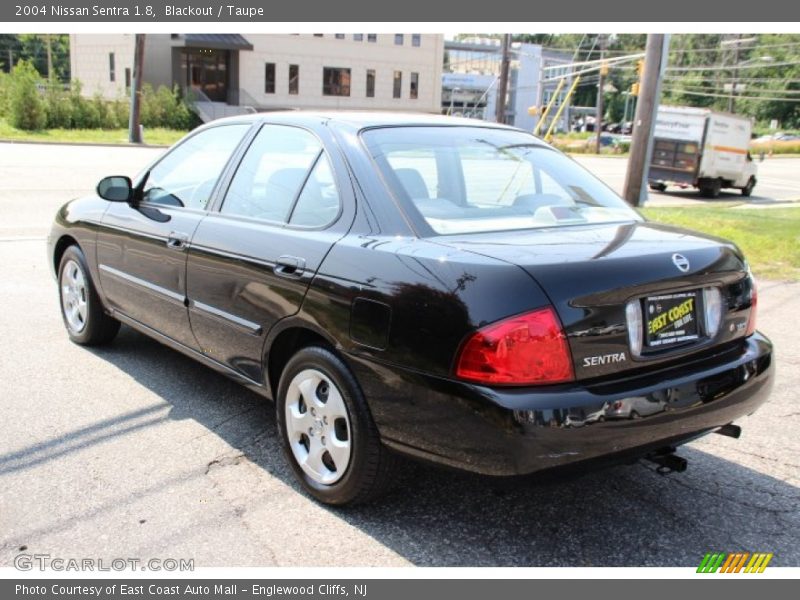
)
(751, 90)
(755, 65)
(742, 79)
(728, 95)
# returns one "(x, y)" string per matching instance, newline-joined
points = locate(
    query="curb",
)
(98, 144)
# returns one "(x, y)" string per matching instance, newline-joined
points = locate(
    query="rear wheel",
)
(710, 188)
(81, 310)
(658, 187)
(748, 189)
(327, 431)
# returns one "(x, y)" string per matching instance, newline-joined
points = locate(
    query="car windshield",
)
(478, 179)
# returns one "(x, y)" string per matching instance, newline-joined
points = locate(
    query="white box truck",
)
(697, 147)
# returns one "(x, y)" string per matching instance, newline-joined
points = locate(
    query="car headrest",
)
(413, 183)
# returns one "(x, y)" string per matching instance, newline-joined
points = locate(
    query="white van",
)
(701, 148)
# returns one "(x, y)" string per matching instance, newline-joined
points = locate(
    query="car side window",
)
(318, 204)
(186, 176)
(269, 178)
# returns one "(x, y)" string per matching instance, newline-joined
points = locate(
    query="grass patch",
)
(769, 237)
(156, 136)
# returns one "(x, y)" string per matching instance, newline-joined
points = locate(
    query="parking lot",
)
(134, 450)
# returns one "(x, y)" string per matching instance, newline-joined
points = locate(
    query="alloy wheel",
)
(74, 296)
(318, 426)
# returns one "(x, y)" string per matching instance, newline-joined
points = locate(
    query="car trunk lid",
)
(592, 273)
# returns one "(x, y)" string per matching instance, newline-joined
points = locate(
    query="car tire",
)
(81, 310)
(748, 189)
(327, 431)
(658, 187)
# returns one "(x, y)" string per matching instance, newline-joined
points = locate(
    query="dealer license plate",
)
(671, 319)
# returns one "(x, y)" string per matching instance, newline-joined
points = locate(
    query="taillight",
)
(751, 321)
(526, 349)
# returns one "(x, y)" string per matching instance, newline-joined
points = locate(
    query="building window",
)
(127, 77)
(398, 39)
(358, 37)
(370, 83)
(335, 81)
(338, 36)
(398, 84)
(269, 78)
(317, 35)
(112, 71)
(372, 37)
(416, 40)
(414, 92)
(294, 79)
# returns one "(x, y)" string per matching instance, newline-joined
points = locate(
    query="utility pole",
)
(134, 126)
(598, 127)
(49, 43)
(502, 88)
(732, 97)
(655, 62)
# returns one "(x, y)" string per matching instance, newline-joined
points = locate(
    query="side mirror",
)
(116, 188)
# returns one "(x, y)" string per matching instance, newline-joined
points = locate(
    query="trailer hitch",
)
(667, 461)
(730, 430)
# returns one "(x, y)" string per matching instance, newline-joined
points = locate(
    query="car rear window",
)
(471, 179)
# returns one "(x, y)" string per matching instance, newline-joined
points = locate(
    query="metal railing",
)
(210, 110)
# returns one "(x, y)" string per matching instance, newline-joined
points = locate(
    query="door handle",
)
(177, 240)
(290, 266)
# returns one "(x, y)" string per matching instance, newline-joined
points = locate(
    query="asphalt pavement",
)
(134, 450)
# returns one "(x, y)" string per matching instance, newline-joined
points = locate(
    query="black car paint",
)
(398, 306)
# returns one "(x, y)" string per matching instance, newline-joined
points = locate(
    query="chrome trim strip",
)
(142, 283)
(248, 326)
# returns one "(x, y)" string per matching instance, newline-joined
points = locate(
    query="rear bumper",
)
(657, 175)
(517, 431)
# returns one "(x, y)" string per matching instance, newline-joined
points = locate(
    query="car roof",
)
(357, 120)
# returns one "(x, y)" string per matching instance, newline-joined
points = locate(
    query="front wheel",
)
(748, 189)
(327, 431)
(86, 322)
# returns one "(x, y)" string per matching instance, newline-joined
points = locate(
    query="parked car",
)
(453, 291)
(607, 140)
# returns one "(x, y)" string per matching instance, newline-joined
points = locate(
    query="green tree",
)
(26, 108)
(33, 48)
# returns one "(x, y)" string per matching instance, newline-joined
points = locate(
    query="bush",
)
(29, 104)
(26, 108)
(776, 147)
(4, 84)
(164, 107)
(59, 108)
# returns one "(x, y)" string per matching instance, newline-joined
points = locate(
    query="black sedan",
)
(444, 289)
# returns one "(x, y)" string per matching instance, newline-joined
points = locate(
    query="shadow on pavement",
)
(621, 516)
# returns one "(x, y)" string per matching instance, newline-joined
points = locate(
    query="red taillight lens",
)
(526, 349)
(751, 322)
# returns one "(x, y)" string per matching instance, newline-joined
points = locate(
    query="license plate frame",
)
(672, 319)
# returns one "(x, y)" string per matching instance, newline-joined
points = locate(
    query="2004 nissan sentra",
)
(444, 289)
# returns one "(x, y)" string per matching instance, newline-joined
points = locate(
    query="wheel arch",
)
(283, 344)
(64, 242)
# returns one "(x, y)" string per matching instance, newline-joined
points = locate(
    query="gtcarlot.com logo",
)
(43, 562)
(734, 562)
